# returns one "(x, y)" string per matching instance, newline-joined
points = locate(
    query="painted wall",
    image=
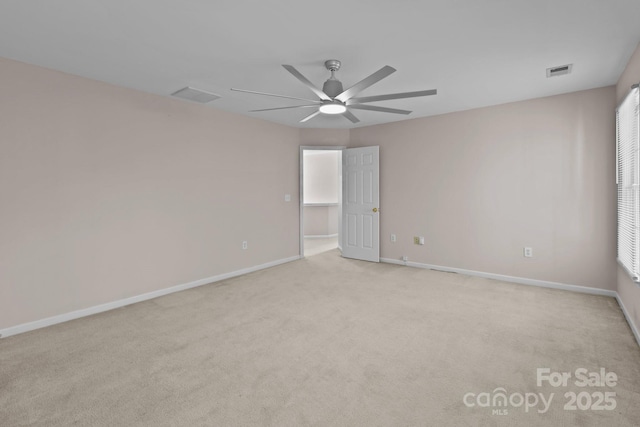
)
(321, 176)
(628, 290)
(321, 220)
(109, 193)
(480, 185)
(324, 137)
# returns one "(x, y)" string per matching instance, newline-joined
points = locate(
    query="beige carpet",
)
(315, 245)
(326, 341)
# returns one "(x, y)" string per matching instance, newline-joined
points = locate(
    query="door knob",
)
(375, 209)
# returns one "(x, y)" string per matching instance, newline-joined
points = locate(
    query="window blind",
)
(628, 180)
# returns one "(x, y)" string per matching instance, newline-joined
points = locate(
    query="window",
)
(628, 180)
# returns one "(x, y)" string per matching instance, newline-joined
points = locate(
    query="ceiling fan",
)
(335, 100)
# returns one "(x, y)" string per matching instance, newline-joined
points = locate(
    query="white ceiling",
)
(475, 52)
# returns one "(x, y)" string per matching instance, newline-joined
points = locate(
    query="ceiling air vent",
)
(559, 71)
(195, 95)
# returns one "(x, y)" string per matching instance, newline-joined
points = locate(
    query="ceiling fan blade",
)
(365, 83)
(271, 94)
(381, 109)
(393, 96)
(283, 108)
(310, 116)
(307, 83)
(349, 115)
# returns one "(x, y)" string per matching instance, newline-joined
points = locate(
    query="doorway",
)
(320, 199)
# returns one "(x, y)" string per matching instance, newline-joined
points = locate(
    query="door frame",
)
(301, 197)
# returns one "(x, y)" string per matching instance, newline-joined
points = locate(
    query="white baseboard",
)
(511, 279)
(530, 282)
(26, 327)
(627, 316)
(320, 236)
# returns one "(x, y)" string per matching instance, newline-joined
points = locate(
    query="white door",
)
(360, 204)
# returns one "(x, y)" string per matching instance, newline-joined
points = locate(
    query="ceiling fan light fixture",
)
(333, 107)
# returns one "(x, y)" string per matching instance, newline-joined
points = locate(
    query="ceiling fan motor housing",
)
(332, 87)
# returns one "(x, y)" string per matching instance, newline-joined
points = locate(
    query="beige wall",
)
(628, 290)
(321, 220)
(480, 185)
(108, 193)
(322, 137)
(321, 176)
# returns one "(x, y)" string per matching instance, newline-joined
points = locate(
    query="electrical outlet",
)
(245, 245)
(393, 238)
(416, 240)
(528, 252)
(405, 258)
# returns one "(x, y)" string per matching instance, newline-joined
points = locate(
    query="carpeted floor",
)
(327, 341)
(315, 246)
